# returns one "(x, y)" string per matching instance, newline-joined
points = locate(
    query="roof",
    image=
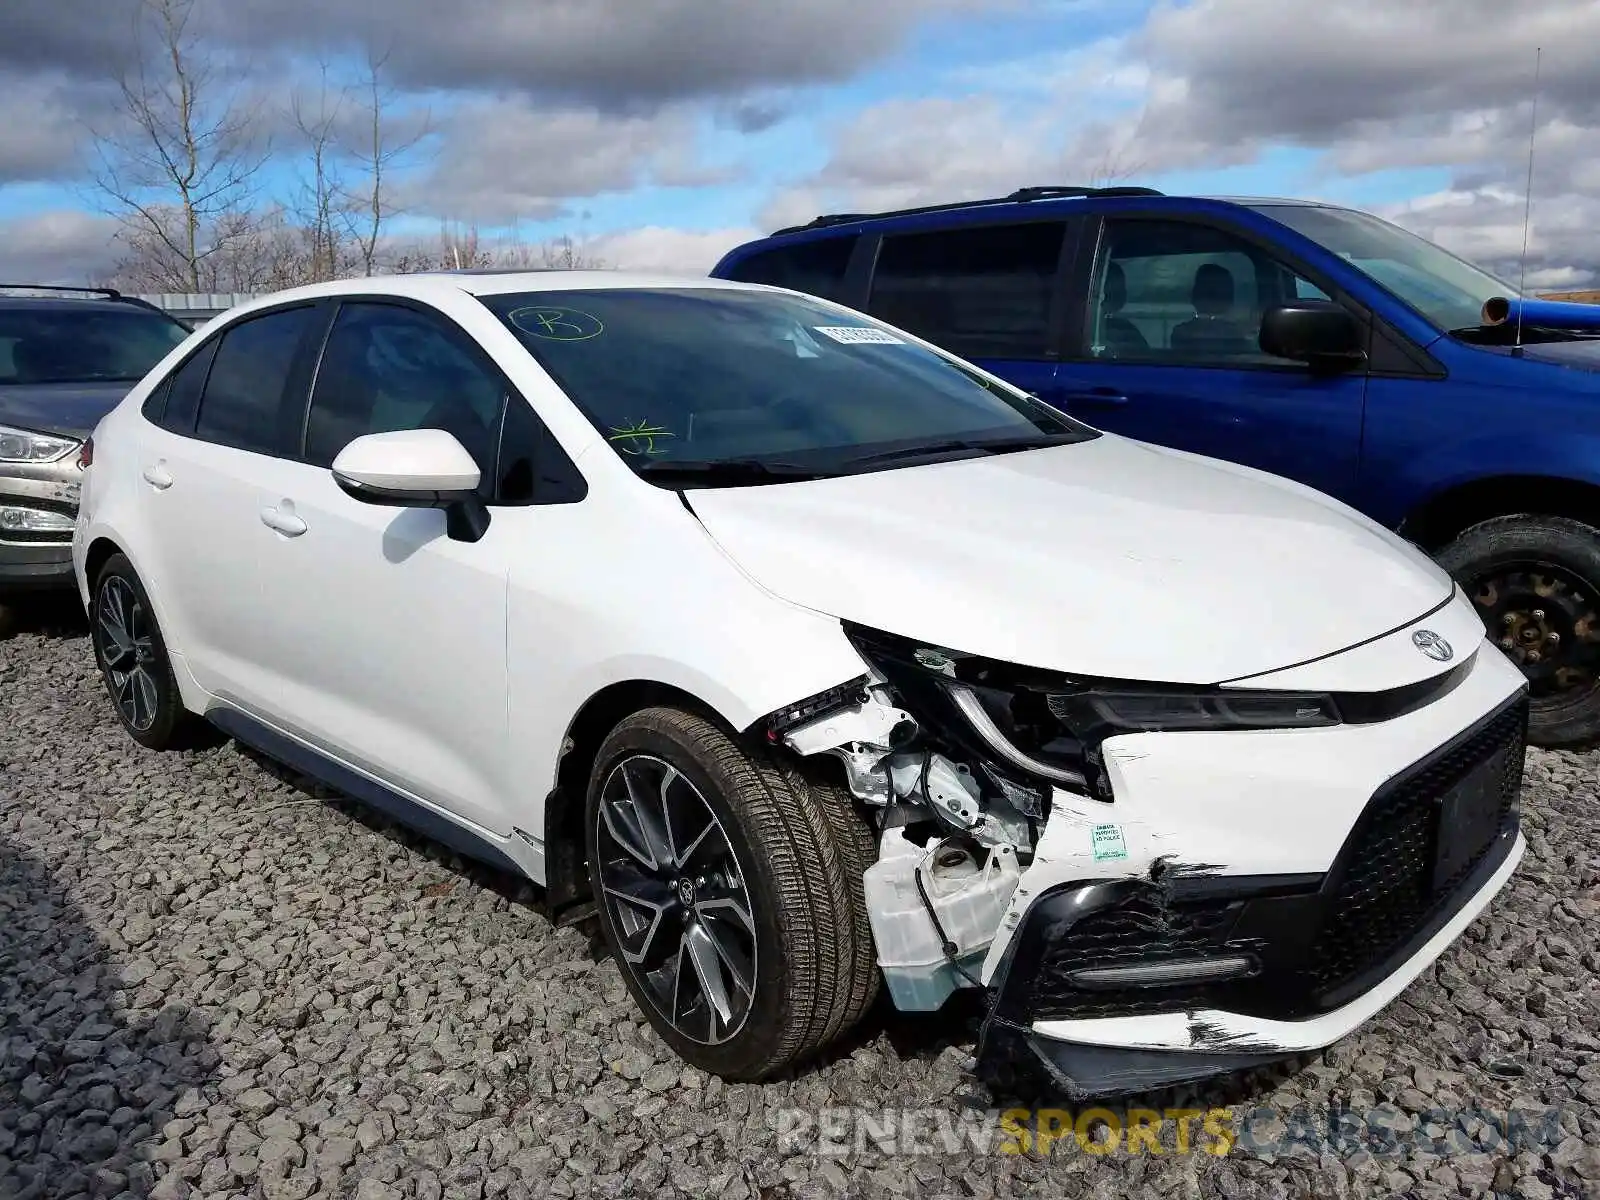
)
(495, 281)
(1030, 197)
(73, 303)
(423, 285)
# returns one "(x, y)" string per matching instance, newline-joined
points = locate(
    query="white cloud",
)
(64, 247)
(507, 160)
(667, 250)
(1372, 84)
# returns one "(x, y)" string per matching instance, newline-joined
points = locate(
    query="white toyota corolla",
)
(816, 661)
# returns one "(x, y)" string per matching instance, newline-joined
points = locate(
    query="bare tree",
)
(564, 254)
(378, 156)
(177, 165)
(1114, 168)
(322, 207)
(459, 247)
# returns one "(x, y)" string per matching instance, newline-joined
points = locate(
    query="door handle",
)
(285, 523)
(158, 477)
(1099, 395)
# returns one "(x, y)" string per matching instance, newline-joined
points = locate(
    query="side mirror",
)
(416, 468)
(1317, 332)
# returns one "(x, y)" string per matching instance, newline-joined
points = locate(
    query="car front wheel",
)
(728, 888)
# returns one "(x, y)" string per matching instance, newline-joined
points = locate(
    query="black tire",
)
(796, 845)
(159, 721)
(1496, 562)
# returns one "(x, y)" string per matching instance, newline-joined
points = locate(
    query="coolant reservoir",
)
(970, 900)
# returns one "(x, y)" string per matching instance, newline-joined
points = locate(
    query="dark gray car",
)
(65, 361)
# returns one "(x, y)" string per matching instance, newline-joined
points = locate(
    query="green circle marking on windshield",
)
(557, 324)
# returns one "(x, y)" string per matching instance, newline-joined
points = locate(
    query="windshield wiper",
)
(730, 470)
(956, 445)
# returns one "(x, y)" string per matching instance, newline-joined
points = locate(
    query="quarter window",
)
(1194, 295)
(244, 401)
(980, 292)
(174, 404)
(816, 267)
(387, 368)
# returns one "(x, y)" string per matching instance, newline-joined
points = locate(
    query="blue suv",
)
(1312, 341)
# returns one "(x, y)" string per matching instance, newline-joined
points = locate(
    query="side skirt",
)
(367, 791)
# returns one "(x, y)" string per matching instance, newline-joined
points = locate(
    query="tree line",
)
(193, 170)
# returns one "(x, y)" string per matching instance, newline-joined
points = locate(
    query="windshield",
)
(1447, 290)
(764, 384)
(87, 344)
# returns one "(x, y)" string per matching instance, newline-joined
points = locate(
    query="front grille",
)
(1383, 884)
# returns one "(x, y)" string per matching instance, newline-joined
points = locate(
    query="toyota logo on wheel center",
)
(1431, 644)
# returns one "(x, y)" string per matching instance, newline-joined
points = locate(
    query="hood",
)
(73, 409)
(1582, 355)
(1111, 558)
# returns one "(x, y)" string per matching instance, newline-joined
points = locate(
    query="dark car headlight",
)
(1133, 711)
(1049, 726)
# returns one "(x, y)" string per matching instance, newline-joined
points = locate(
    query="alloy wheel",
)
(677, 899)
(126, 642)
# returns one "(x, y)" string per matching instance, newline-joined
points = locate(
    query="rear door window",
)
(245, 403)
(985, 291)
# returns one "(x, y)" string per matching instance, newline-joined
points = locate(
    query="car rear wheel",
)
(133, 660)
(728, 888)
(1536, 583)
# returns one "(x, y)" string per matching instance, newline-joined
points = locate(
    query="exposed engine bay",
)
(959, 762)
(952, 844)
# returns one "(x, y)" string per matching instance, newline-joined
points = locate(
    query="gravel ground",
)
(215, 980)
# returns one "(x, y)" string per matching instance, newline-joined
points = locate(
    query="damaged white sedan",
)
(814, 662)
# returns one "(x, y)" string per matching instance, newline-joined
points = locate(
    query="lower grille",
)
(1143, 929)
(1384, 884)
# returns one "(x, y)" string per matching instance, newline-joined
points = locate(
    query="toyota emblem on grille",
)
(1431, 644)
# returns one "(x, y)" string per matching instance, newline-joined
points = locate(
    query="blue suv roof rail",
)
(1020, 196)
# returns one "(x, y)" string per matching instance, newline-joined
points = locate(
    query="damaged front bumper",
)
(1150, 1040)
(1119, 984)
(1195, 902)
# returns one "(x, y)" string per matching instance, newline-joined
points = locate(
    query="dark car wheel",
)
(729, 891)
(1536, 582)
(133, 659)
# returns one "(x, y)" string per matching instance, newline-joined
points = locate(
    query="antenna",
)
(1527, 203)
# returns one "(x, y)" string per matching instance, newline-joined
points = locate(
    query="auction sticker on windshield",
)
(857, 334)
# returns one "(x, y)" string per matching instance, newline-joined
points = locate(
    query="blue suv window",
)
(816, 267)
(980, 292)
(1178, 292)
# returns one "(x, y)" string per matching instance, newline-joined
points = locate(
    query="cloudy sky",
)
(661, 132)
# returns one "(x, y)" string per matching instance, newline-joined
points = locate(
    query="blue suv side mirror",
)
(1317, 332)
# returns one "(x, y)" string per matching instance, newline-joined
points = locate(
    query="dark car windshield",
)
(757, 387)
(1447, 290)
(91, 343)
